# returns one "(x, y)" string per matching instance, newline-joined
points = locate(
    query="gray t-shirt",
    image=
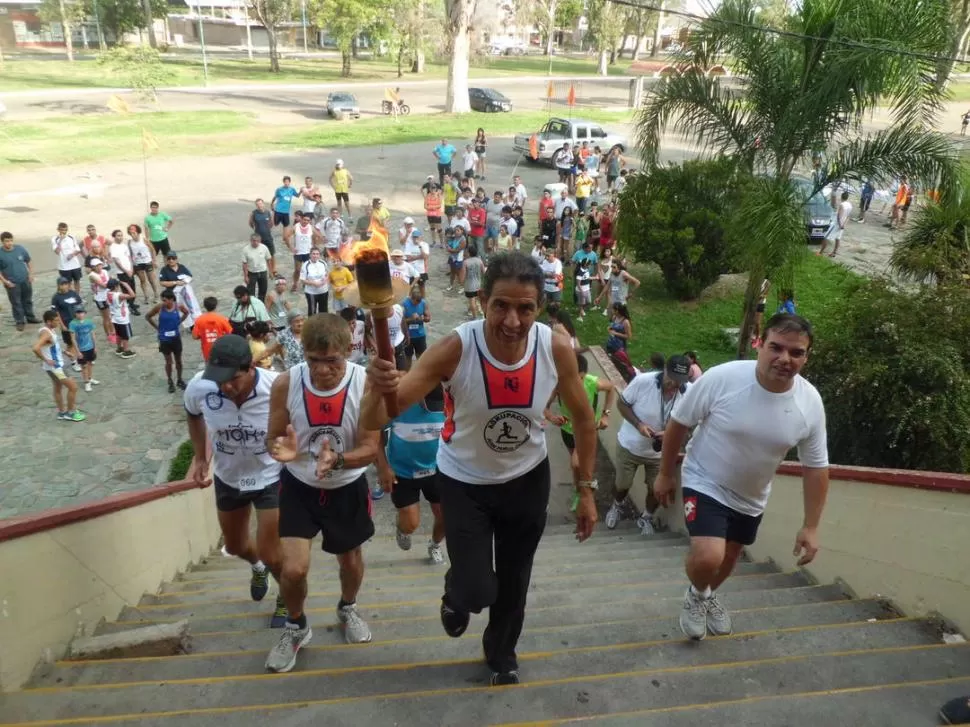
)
(13, 264)
(474, 267)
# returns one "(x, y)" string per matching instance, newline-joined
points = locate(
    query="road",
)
(302, 103)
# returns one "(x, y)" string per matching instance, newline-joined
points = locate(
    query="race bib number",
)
(249, 484)
(419, 474)
(414, 326)
(169, 334)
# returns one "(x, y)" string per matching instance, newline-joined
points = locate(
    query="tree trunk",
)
(346, 56)
(400, 60)
(274, 53)
(755, 277)
(635, 53)
(944, 67)
(612, 56)
(459, 21)
(149, 23)
(601, 64)
(68, 32)
(417, 65)
(656, 31)
(355, 51)
(84, 36)
(551, 26)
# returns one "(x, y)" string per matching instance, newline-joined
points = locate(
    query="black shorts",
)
(407, 492)
(473, 294)
(434, 220)
(281, 218)
(300, 259)
(270, 245)
(144, 267)
(162, 247)
(707, 518)
(568, 439)
(67, 338)
(416, 346)
(564, 174)
(229, 498)
(87, 357)
(469, 174)
(450, 210)
(342, 515)
(122, 331)
(101, 304)
(400, 359)
(72, 275)
(171, 346)
(342, 197)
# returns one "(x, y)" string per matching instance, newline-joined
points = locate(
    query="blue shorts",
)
(491, 232)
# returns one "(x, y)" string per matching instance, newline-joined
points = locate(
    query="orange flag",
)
(571, 96)
(550, 91)
(534, 147)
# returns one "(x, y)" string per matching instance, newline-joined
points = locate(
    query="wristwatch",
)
(588, 484)
(338, 463)
(606, 412)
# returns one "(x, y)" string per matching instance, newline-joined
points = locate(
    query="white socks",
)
(703, 595)
(258, 567)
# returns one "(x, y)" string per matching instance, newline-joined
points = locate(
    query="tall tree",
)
(271, 14)
(801, 97)
(959, 35)
(606, 21)
(149, 23)
(68, 14)
(124, 16)
(345, 20)
(458, 19)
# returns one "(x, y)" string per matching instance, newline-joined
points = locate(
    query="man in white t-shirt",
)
(417, 252)
(521, 194)
(400, 268)
(563, 202)
(228, 403)
(552, 275)
(469, 161)
(69, 256)
(332, 228)
(461, 220)
(748, 415)
(837, 228)
(645, 405)
(120, 255)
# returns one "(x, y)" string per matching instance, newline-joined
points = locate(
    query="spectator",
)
(210, 326)
(620, 329)
(695, 371)
(247, 310)
(257, 266)
(18, 278)
(288, 345)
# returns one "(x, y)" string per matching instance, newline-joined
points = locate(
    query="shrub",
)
(178, 468)
(892, 370)
(675, 216)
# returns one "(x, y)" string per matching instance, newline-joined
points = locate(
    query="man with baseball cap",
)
(645, 405)
(400, 268)
(229, 402)
(405, 230)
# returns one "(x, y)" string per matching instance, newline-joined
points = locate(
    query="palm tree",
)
(803, 94)
(936, 245)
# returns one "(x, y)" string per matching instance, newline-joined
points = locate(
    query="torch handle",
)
(385, 351)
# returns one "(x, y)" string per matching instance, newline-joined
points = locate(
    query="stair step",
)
(610, 679)
(434, 578)
(626, 605)
(430, 593)
(245, 653)
(914, 704)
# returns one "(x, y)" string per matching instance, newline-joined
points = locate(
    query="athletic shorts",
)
(162, 247)
(342, 197)
(281, 218)
(454, 263)
(123, 331)
(300, 259)
(450, 210)
(270, 245)
(434, 220)
(67, 338)
(554, 296)
(87, 357)
(568, 439)
(584, 297)
(57, 375)
(417, 346)
(101, 304)
(469, 174)
(171, 346)
(342, 515)
(408, 492)
(708, 518)
(472, 294)
(72, 275)
(229, 498)
(143, 267)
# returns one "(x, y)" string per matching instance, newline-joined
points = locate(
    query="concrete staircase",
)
(601, 643)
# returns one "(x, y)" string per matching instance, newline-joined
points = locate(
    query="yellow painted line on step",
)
(302, 704)
(735, 702)
(327, 594)
(406, 666)
(427, 639)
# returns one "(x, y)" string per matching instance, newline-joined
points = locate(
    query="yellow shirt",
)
(258, 349)
(584, 185)
(341, 181)
(451, 196)
(382, 215)
(340, 276)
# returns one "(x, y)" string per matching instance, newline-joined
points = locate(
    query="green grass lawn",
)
(111, 137)
(186, 70)
(671, 327)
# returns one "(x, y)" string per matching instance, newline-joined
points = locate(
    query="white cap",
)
(408, 220)
(430, 176)
(397, 253)
(340, 162)
(96, 261)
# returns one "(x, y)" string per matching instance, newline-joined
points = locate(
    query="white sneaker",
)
(435, 554)
(403, 540)
(87, 386)
(94, 382)
(76, 366)
(356, 630)
(605, 314)
(718, 619)
(645, 523)
(693, 616)
(283, 656)
(613, 514)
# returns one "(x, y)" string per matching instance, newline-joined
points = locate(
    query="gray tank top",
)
(277, 311)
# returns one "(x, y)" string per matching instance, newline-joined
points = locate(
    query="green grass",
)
(186, 70)
(178, 468)
(111, 137)
(671, 327)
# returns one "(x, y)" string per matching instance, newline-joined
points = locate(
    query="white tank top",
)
(140, 253)
(357, 353)
(325, 415)
(302, 239)
(394, 325)
(493, 428)
(53, 351)
(99, 285)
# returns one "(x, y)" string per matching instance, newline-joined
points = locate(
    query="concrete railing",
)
(900, 534)
(66, 570)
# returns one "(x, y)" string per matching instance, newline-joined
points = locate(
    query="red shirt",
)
(476, 218)
(88, 241)
(547, 209)
(208, 327)
(606, 231)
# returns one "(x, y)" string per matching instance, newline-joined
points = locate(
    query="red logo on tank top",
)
(509, 389)
(325, 411)
(448, 430)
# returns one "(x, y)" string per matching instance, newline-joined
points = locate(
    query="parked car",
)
(556, 132)
(341, 105)
(488, 100)
(818, 210)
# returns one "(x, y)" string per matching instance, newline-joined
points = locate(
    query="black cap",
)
(170, 254)
(678, 369)
(227, 356)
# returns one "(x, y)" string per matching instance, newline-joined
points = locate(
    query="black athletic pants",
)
(512, 515)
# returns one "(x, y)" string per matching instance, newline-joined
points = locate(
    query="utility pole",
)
(205, 60)
(303, 5)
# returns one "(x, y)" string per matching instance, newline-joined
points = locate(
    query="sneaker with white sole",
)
(613, 514)
(645, 523)
(282, 658)
(259, 583)
(693, 616)
(403, 540)
(356, 630)
(76, 366)
(94, 382)
(87, 386)
(435, 554)
(718, 619)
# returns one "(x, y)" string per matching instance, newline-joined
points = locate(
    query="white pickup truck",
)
(556, 132)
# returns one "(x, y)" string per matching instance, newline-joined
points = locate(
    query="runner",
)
(401, 268)
(417, 312)
(407, 468)
(315, 279)
(281, 203)
(340, 279)
(47, 348)
(229, 403)
(210, 326)
(748, 415)
(119, 296)
(493, 468)
(69, 256)
(120, 255)
(332, 228)
(169, 315)
(341, 180)
(82, 328)
(158, 224)
(434, 209)
(314, 430)
(304, 235)
(308, 193)
(418, 254)
(143, 257)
